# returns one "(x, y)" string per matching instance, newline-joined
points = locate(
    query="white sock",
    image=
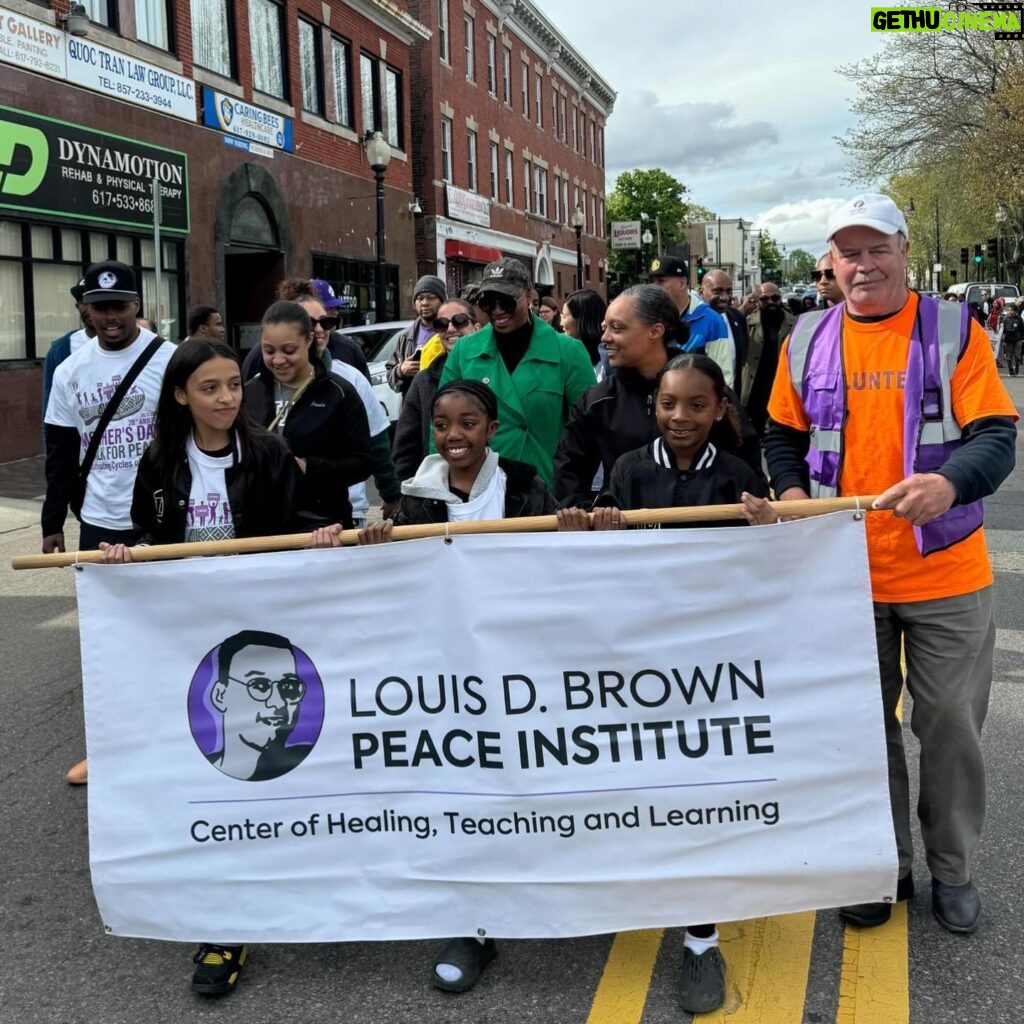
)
(700, 945)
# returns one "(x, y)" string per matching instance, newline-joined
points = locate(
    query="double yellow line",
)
(769, 960)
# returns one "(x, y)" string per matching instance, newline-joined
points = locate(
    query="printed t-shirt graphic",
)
(209, 514)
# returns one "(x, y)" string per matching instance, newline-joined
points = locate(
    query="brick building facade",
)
(254, 110)
(508, 124)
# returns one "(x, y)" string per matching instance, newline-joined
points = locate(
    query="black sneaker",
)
(703, 980)
(217, 968)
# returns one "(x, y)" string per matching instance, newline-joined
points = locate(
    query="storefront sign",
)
(126, 78)
(58, 169)
(236, 117)
(36, 46)
(468, 206)
(32, 45)
(248, 147)
(625, 234)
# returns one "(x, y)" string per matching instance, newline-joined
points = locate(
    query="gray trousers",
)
(949, 645)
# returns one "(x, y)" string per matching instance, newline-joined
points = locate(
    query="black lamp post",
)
(578, 220)
(378, 153)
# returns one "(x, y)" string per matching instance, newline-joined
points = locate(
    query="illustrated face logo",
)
(23, 177)
(107, 279)
(255, 706)
(227, 111)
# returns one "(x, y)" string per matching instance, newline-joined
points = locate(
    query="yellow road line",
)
(622, 991)
(767, 962)
(874, 987)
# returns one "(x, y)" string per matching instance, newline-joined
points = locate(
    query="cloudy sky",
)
(742, 105)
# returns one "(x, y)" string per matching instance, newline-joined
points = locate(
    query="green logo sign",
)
(1001, 19)
(32, 142)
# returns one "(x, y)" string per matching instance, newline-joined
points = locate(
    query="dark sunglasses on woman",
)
(489, 300)
(830, 275)
(458, 321)
(328, 323)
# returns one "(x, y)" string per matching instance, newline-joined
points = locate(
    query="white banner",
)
(523, 735)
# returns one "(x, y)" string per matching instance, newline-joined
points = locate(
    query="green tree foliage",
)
(768, 252)
(945, 109)
(800, 263)
(660, 196)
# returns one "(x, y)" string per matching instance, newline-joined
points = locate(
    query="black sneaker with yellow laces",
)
(217, 968)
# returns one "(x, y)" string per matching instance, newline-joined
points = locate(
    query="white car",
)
(378, 342)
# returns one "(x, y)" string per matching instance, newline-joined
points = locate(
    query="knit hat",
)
(430, 285)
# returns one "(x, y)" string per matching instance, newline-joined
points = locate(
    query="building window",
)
(492, 65)
(525, 89)
(340, 80)
(103, 12)
(576, 199)
(356, 280)
(538, 98)
(446, 149)
(554, 110)
(267, 36)
(526, 185)
(600, 216)
(540, 191)
(470, 59)
(494, 171)
(593, 144)
(561, 117)
(211, 36)
(381, 113)
(565, 198)
(575, 133)
(557, 203)
(442, 30)
(506, 75)
(471, 159)
(151, 23)
(311, 68)
(593, 213)
(509, 183)
(600, 146)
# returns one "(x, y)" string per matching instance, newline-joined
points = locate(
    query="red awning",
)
(456, 250)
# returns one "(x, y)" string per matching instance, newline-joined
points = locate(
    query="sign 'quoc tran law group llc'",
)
(58, 169)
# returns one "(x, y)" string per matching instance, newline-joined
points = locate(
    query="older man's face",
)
(871, 268)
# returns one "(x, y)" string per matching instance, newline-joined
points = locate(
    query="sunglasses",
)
(328, 323)
(765, 299)
(458, 321)
(829, 275)
(490, 300)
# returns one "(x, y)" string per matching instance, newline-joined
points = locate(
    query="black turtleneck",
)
(512, 345)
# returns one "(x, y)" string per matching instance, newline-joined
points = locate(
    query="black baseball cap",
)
(506, 277)
(669, 266)
(78, 290)
(109, 281)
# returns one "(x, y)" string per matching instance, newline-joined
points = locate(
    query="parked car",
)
(971, 290)
(378, 342)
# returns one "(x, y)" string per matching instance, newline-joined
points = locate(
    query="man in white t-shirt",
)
(82, 386)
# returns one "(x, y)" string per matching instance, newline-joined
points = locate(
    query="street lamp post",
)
(646, 238)
(938, 250)
(1000, 247)
(578, 220)
(378, 153)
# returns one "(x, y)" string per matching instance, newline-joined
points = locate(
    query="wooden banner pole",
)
(530, 524)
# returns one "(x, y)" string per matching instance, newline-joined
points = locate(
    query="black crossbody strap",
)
(114, 404)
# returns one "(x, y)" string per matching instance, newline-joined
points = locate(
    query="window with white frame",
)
(600, 146)
(509, 182)
(593, 144)
(575, 133)
(471, 159)
(565, 198)
(600, 215)
(525, 89)
(470, 54)
(443, 38)
(556, 202)
(103, 12)
(540, 191)
(526, 185)
(340, 72)
(492, 65)
(265, 31)
(211, 36)
(561, 118)
(494, 170)
(593, 213)
(538, 100)
(446, 149)
(310, 68)
(554, 109)
(382, 107)
(576, 198)
(151, 23)
(506, 75)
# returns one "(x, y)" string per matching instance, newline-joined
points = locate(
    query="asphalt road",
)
(58, 967)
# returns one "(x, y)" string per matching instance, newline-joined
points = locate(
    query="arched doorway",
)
(253, 241)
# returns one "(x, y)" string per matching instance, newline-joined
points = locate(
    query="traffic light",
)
(977, 253)
(992, 249)
(963, 255)
(700, 269)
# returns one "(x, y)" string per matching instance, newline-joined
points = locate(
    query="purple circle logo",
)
(255, 706)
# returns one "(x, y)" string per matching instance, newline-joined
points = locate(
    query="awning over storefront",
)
(458, 250)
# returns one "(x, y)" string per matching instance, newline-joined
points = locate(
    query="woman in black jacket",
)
(617, 415)
(319, 415)
(208, 475)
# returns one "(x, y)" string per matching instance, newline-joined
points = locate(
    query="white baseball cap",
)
(869, 210)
